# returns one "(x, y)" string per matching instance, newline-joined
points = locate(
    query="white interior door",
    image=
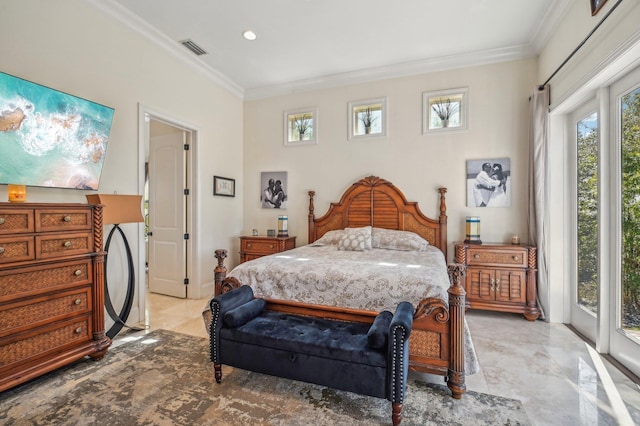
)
(167, 212)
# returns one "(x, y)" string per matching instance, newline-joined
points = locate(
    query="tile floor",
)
(558, 377)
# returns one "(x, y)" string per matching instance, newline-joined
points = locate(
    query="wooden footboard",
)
(436, 345)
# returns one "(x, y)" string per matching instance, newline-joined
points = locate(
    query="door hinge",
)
(186, 236)
(186, 191)
(186, 147)
(186, 281)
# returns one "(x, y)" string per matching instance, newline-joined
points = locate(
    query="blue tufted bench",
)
(367, 355)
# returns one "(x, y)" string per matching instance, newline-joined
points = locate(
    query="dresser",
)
(51, 288)
(255, 247)
(500, 277)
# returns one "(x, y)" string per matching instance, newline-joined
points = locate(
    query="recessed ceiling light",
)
(249, 35)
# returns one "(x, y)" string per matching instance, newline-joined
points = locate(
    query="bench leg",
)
(217, 372)
(396, 413)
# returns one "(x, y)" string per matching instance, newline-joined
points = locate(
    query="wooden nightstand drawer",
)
(16, 221)
(497, 257)
(50, 246)
(16, 249)
(63, 220)
(255, 247)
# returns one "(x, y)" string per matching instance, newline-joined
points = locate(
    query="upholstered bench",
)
(367, 355)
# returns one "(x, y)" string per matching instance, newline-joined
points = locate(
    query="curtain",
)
(537, 217)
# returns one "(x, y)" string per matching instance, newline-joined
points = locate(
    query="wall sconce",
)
(473, 230)
(17, 193)
(282, 226)
(119, 209)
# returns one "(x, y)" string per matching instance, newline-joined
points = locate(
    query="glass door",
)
(585, 280)
(625, 323)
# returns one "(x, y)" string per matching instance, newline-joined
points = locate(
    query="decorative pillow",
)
(356, 239)
(244, 313)
(379, 330)
(330, 238)
(397, 240)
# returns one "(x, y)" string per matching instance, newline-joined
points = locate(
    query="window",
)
(367, 118)
(444, 110)
(300, 127)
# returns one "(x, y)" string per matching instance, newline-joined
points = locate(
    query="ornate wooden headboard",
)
(377, 202)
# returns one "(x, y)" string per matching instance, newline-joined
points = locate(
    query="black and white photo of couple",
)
(489, 183)
(274, 190)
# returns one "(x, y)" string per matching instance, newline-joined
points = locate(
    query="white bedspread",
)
(373, 280)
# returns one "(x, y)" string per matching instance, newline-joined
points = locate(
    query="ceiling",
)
(308, 44)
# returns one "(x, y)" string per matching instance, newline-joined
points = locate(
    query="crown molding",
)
(133, 22)
(549, 23)
(394, 71)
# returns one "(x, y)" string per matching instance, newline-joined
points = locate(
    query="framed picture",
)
(596, 5)
(224, 186)
(445, 110)
(368, 118)
(274, 190)
(489, 182)
(301, 127)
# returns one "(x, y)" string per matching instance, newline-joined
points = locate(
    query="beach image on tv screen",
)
(50, 138)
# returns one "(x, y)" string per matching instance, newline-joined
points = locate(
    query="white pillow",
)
(330, 237)
(356, 239)
(397, 240)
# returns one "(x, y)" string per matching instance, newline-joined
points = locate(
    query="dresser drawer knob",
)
(77, 301)
(271, 246)
(78, 330)
(516, 258)
(248, 245)
(78, 272)
(67, 219)
(67, 244)
(1, 250)
(476, 256)
(1, 220)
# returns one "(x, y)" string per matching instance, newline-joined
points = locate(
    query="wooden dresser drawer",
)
(516, 257)
(32, 312)
(28, 281)
(62, 219)
(56, 245)
(50, 339)
(16, 221)
(16, 249)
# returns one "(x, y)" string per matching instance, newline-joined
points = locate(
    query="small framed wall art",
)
(274, 190)
(489, 182)
(224, 186)
(301, 127)
(596, 5)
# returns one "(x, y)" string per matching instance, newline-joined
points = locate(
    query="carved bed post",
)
(456, 379)
(220, 271)
(312, 224)
(443, 221)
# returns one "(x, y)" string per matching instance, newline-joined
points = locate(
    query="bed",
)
(371, 250)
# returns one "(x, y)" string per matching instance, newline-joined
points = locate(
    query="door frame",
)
(191, 216)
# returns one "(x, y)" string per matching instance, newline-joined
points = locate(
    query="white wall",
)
(418, 164)
(70, 46)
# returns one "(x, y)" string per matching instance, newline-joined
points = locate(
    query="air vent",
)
(189, 44)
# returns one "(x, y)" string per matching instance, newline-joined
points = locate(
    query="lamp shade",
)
(118, 208)
(473, 230)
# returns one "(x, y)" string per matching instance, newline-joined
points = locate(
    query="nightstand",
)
(500, 277)
(255, 247)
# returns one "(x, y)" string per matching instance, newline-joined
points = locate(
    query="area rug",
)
(166, 378)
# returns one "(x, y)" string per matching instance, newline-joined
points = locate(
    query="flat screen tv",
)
(50, 138)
